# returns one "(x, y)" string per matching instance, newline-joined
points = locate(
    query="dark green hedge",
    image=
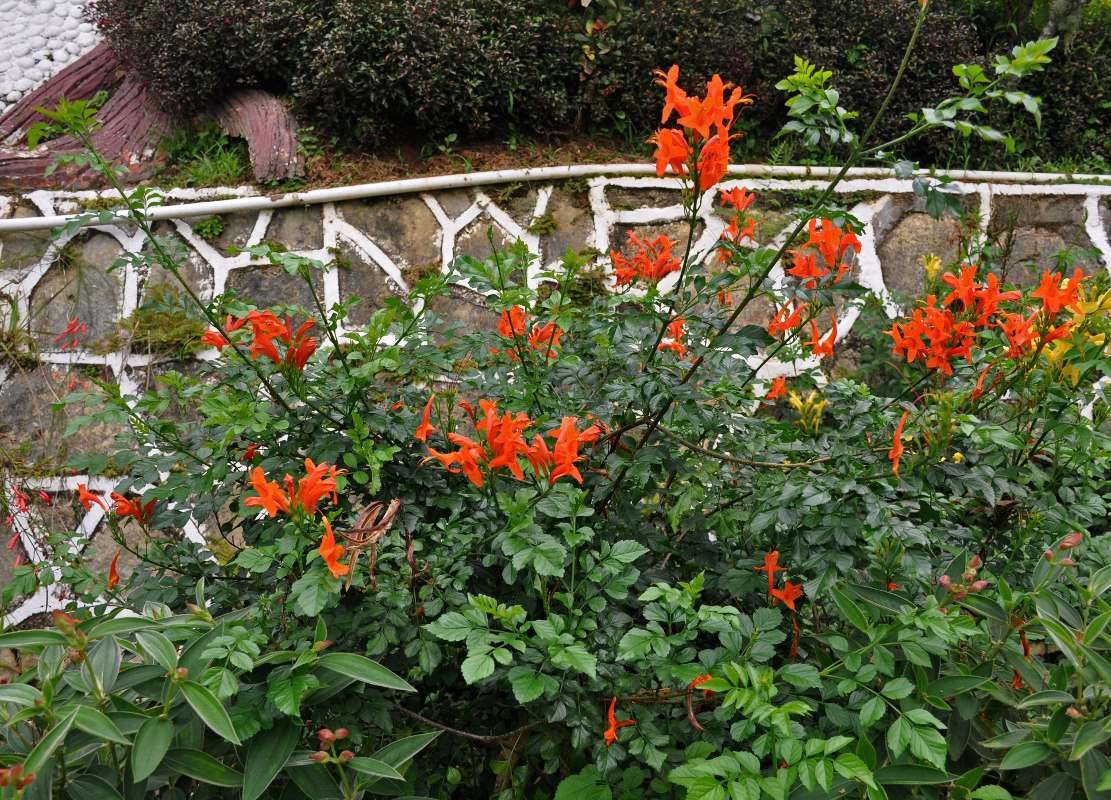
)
(375, 70)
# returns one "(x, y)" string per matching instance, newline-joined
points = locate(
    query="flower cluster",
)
(299, 499)
(674, 341)
(514, 325)
(968, 582)
(938, 335)
(265, 327)
(830, 243)
(700, 145)
(121, 505)
(504, 445)
(651, 261)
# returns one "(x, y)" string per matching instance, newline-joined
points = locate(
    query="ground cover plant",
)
(600, 551)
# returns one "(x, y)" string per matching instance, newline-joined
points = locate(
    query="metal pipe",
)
(442, 182)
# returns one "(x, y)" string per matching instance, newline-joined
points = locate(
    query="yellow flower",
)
(809, 410)
(958, 458)
(932, 265)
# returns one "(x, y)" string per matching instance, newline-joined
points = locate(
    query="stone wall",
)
(378, 246)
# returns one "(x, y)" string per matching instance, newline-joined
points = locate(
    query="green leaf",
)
(315, 782)
(872, 710)
(151, 743)
(397, 753)
(202, 767)
(87, 785)
(18, 640)
(477, 666)
(266, 756)
(897, 689)
(375, 768)
(910, 774)
(363, 669)
(587, 785)
(1089, 736)
(851, 611)
(804, 676)
(158, 648)
(577, 657)
(95, 722)
(1026, 755)
(990, 793)
(19, 693)
(104, 662)
(210, 710)
(311, 593)
(851, 766)
(953, 685)
(48, 744)
(451, 627)
(1045, 698)
(527, 683)
(627, 551)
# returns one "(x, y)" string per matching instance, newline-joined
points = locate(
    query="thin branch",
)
(466, 735)
(737, 460)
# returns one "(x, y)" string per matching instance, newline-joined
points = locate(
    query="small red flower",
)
(425, 427)
(777, 390)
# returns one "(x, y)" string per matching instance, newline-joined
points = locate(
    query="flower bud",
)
(181, 673)
(1071, 541)
(944, 580)
(326, 736)
(26, 781)
(969, 575)
(1048, 555)
(1067, 562)
(1073, 712)
(318, 646)
(960, 595)
(341, 733)
(74, 655)
(975, 562)
(65, 623)
(978, 586)
(346, 756)
(319, 757)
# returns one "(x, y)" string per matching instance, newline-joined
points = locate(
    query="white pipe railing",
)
(443, 182)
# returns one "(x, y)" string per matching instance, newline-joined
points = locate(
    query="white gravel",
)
(38, 38)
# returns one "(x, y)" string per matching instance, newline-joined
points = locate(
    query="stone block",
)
(297, 228)
(404, 227)
(361, 278)
(270, 286)
(192, 267)
(22, 250)
(915, 235)
(79, 285)
(575, 230)
(237, 230)
(28, 419)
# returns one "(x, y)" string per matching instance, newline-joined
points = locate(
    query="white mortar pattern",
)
(878, 216)
(39, 38)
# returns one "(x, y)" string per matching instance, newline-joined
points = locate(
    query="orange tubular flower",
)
(675, 333)
(713, 160)
(897, 445)
(1055, 296)
(610, 733)
(214, 339)
(271, 498)
(299, 348)
(425, 427)
(771, 561)
(566, 451)
(113, 576)
(672, 151)
(132, 508)
(823, 349)
(777, 390)
(785, 319)
(738, 197)
(964, 286)
(788, 594)
(87, 498)
(330, 552)
(701, 679)
(652, 261)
